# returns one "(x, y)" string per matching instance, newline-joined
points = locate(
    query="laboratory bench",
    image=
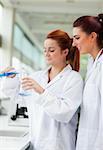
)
(13, 137)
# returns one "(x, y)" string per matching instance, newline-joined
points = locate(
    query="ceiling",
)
(42, 16)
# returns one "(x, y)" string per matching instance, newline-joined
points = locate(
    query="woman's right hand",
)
(9, 69)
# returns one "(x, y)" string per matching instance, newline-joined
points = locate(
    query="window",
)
(25, 50)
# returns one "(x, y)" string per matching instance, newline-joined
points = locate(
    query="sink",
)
(10, 133)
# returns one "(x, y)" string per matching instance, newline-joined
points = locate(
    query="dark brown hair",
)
(64, 41)
(91, 24)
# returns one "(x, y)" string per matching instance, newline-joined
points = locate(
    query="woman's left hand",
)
(28, 83)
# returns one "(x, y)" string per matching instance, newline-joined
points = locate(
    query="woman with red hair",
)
(56, 95)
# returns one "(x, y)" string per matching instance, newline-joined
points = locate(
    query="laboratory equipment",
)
(22, 91)
(6, 74)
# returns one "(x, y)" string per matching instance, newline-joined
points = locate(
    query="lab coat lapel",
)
(59, 76)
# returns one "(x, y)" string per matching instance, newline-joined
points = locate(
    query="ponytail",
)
(100, 35)
(73, 57)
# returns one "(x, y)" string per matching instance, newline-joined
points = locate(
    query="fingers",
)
(27, 83)
(9, 69)
(26, 78)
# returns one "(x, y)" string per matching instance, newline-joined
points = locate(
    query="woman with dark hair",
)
(88, 38)
(56, 95)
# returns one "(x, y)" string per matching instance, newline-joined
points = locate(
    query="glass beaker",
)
(23, 92)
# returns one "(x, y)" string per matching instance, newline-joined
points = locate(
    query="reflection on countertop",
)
(13, 137)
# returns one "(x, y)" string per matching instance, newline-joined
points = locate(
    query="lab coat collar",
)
(92, 64)
(59, 76)
(98, 58)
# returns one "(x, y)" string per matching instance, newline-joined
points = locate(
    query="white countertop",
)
(13, 143)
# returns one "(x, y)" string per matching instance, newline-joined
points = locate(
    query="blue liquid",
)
(6, 74)
(24, 93)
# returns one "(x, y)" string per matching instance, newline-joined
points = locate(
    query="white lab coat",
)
(53, 114)
(90, 134)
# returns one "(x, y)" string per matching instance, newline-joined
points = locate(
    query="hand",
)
(9, 69)
(28, 83)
